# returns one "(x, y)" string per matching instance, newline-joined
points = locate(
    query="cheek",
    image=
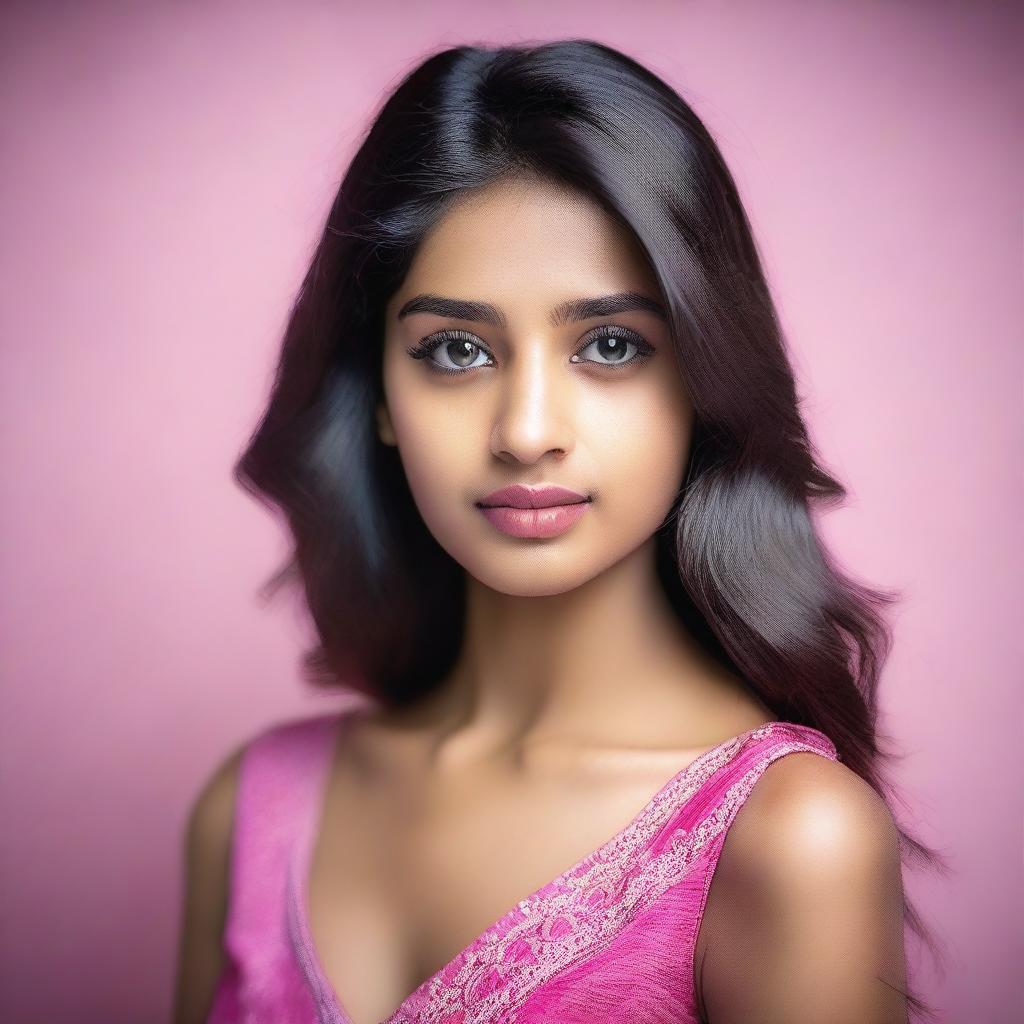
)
(437, 451)
(421, 424)
(640, 445)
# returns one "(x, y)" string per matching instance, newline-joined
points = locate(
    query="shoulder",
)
(213, 807)
(807, 918)
(810, 812)
(208, 837)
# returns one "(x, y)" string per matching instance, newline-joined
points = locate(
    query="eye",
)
(612, 341)
(460, 347)
(462, 350)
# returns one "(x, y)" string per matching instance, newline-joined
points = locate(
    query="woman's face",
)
(533, 395)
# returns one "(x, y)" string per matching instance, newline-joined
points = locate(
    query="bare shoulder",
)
(207, 855)
(805, 910)
(809, 811)
(212, 810)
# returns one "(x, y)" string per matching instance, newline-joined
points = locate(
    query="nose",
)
(532, 416)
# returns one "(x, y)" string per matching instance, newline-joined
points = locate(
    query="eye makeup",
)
(469, 342)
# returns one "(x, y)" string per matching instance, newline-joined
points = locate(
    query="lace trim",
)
(580, 912)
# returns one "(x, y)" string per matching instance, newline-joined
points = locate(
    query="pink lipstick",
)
(533, 512)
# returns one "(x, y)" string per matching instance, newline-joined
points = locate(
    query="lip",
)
(534, 523)
(519, 496)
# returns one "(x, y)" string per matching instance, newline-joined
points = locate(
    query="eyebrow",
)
(563, 313)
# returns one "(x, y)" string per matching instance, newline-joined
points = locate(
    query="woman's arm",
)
(807, 923)
(207, 857)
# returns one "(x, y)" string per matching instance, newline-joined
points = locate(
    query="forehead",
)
(526, 240)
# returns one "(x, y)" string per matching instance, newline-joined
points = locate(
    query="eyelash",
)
(434, 341)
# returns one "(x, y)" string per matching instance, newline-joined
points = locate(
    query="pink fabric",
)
(609, 940)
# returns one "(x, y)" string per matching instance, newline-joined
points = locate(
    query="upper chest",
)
(405, 874)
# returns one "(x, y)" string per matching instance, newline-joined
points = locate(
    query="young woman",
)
(538, 442)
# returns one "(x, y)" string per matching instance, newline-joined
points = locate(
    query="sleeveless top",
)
(611, 939)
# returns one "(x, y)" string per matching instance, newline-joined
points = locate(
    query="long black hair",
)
(739, 557)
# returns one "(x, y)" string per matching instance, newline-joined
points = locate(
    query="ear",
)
(385, 429)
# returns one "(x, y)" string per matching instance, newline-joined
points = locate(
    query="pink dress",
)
(611, 939)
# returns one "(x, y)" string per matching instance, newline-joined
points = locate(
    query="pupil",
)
(615, 344)
(465, 353)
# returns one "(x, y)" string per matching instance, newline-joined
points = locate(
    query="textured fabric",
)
(609, 940)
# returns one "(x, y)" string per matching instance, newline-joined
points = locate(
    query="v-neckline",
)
(328, 998)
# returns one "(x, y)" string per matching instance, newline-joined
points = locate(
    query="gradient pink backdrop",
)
(166, 170)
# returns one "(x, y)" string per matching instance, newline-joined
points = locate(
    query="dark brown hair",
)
(739, 557)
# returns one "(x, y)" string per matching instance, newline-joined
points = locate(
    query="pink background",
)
(166, 169)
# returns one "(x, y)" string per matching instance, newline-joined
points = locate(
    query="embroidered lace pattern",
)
(581, 911)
